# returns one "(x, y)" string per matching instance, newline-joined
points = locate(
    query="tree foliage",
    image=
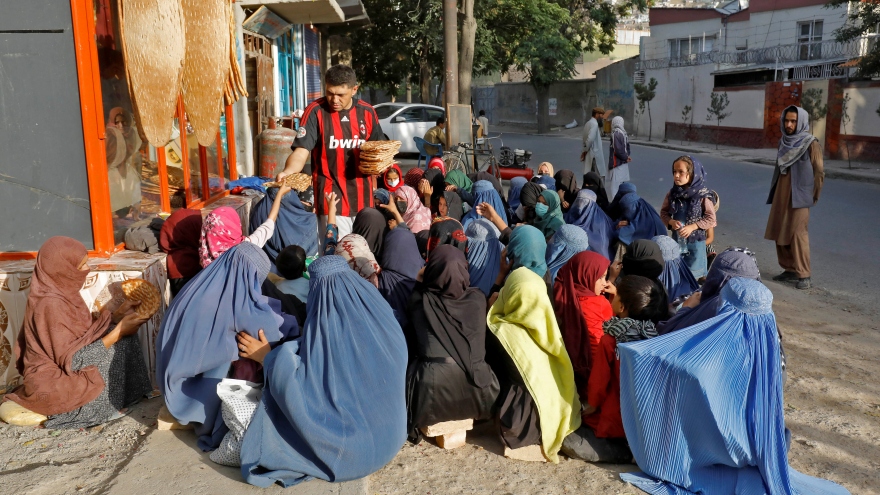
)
(863, 17)
(812, 103)
(716, 110)
(645, 93)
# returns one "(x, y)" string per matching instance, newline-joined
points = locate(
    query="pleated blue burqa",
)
(703, 407)
(484, 192)
(333, 405)
(568, 241)
(483, 254)
(586, 214)
(196, 342)
(294, 227)
(676, 277)
(644, 221)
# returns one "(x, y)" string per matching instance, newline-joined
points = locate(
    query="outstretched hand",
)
(251, 348)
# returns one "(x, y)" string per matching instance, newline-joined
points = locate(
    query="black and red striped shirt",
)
(334, 139)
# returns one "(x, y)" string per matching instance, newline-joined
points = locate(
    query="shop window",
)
(145, 181)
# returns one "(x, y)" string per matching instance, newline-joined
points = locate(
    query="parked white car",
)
(404, 121)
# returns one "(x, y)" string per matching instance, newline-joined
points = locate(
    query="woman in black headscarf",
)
(594, 183)
(644, 258)
(449, 379)
(528, 198)
(566, 183)
(371, 224)
(435, 178)
(444, 231)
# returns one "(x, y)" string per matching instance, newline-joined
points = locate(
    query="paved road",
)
(844, 226)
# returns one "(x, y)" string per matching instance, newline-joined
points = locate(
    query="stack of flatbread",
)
(377, 156)
(297, 182)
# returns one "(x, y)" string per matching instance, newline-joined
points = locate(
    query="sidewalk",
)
(834, 169)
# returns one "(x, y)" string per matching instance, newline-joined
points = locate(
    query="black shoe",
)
(804, 283)
(786, 276)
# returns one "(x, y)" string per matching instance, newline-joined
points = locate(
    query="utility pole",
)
(450, 49)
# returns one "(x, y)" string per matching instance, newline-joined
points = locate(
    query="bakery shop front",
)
(113, 113)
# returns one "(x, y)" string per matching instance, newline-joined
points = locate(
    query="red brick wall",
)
(865, 148)
(778, 97)
(728, 136)
(832, 119)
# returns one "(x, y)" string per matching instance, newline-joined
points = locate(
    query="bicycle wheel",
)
(454, 162)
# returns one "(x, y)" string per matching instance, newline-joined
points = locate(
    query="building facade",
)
(763, 56)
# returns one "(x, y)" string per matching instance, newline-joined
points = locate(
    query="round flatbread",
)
(139, 289)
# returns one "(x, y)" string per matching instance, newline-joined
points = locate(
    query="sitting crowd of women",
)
(577, 323)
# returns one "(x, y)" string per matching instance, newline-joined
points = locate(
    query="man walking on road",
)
(797, 183)
(592, 154)
(331, 131)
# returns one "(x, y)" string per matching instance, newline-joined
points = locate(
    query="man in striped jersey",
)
(331, 131)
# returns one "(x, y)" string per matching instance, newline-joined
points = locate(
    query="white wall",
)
(780, 27)
(746, 109)
(657, 45)
(676, 88)
(863, 111)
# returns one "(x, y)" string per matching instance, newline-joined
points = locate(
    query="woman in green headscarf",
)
(548, 213)
(458, 182)
(540, 402)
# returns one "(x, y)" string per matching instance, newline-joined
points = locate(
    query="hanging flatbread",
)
(153, 45)
(206, 65)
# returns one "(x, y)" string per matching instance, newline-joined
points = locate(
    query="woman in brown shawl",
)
(77, 370)
(448, 378)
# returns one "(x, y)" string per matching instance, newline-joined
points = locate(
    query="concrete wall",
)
(818, 126)
(862, 109)
(779, 27)
(593, 62)
(614, 88)
(657, 45)
(517, 102)
(676, 88)
(746, 107)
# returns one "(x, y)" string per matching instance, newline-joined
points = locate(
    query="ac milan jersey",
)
(334, 138)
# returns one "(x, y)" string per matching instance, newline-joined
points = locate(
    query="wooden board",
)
(459, 119)
(206, 65)
(154, 45)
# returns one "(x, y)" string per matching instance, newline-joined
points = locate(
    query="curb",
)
(830, 173)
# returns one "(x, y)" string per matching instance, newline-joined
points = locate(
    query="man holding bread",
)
(331, 131)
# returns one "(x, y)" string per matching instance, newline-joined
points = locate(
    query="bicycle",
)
(456, 158)
(485, 149)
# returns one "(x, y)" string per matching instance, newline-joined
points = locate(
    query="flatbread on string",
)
(206, 65)
(154, 46)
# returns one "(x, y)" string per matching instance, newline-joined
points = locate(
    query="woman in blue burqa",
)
(196, 346)
(333, 404)
(703, 407)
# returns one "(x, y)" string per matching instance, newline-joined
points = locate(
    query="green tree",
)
(645, 93)
(382, 52)
(811, 101)
(845, 119)
(717, 108)
(685, 116)
(863, 17)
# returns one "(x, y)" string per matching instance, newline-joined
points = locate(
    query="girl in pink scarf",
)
(221, 230)
(417, 216)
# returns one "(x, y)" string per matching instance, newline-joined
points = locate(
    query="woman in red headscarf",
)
(179, 238)
(78, 370)
(393, 178)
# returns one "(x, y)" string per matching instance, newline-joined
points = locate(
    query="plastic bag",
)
(240, 399)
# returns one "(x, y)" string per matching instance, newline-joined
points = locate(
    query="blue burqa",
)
(644, 222)
(587, 215)
(400, 264)
(196, 342)
(703, 407)
(295, 226)
(333, 406)
(568, 241)
(483, 254)
(676, 277)
(730, 263)
(484, 192)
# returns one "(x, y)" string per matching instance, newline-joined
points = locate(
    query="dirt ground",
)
(832, 407)
(832, 401)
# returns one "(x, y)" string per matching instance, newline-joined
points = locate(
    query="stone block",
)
(532, 453)
(447, 427)
(452, 440)
(166, 422)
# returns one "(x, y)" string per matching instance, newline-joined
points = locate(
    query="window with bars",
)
(810, 40)
(683, 48)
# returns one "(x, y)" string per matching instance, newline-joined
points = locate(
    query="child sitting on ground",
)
(291, 264)
(688, 211)
(638, 304)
